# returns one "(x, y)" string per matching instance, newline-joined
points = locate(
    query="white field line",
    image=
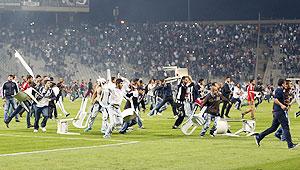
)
(53, 137)
(67, 149)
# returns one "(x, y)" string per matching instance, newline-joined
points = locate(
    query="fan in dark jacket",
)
(212, 102)
(226, 92)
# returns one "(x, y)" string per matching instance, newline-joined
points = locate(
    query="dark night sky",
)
(170, 10)
(176, 10)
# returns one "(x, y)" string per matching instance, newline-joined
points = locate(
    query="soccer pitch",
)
(155, 147)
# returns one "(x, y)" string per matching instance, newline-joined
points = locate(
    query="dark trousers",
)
(18, 110)
(233, 101)
(170, 100)
(280, 134)
(268, 97)
(181, 114)
(52, 110)
(225, 104)
(143, 104)
(38, 111)
(130, 123)
(183, 110)
(259, 101)
(279, 118)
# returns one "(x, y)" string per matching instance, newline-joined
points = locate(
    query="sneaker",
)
(87, 129)
(102, 131)
(227, 116)
(202, 135)
(294, 146)
(67, 115)
(212, 135)
(30, 126)
(174, 127)
(158, 114)
(122, 132)
(152, 112)
(7, 124)
(106, 136)
(297, 114)
(35, 130)
(257, 140)
(242, 116)
(277, 136)
(283, 139)
(44, 129)
(130, 129)
(17, 120)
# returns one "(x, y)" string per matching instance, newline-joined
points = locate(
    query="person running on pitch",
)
(212, 113)
(132, 101)
(114, 111)
(25, 105)
(279, 117)
(158, 97)
(237, 92)
(46, 95)
(250, 98)
(226, 92)
(187, 94)
(167, 97)
(288, 96)
(9, 89)
(297, 96)
(150, 93)
(100, 99)
(59, 98)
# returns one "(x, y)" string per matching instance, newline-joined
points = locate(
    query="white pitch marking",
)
(67, 149)
(53, 137)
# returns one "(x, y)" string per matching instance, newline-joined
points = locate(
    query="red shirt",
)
(250, 92)
(25, 86)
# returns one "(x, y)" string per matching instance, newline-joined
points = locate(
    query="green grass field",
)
(155, 147)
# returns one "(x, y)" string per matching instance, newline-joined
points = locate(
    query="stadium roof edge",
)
(284, 21)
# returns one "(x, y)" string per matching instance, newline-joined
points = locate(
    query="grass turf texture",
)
(159, 146)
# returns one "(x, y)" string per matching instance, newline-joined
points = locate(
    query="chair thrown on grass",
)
(81, 119)
(63, 127)
(248, 127)
(194, 121)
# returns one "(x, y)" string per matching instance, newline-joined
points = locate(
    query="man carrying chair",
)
(24, 105)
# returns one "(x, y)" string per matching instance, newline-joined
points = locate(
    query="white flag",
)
(29, 70)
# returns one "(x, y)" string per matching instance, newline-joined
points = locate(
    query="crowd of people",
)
(286, 37)
(183, 94)
(207, 50)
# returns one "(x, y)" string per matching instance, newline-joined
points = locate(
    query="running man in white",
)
(297, 96)
(100, 104)
(114, 111)
(297, 92)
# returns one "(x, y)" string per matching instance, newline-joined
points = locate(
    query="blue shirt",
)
(167, 90)
(279, 95)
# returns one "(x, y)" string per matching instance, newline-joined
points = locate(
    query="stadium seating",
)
(206, 49)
